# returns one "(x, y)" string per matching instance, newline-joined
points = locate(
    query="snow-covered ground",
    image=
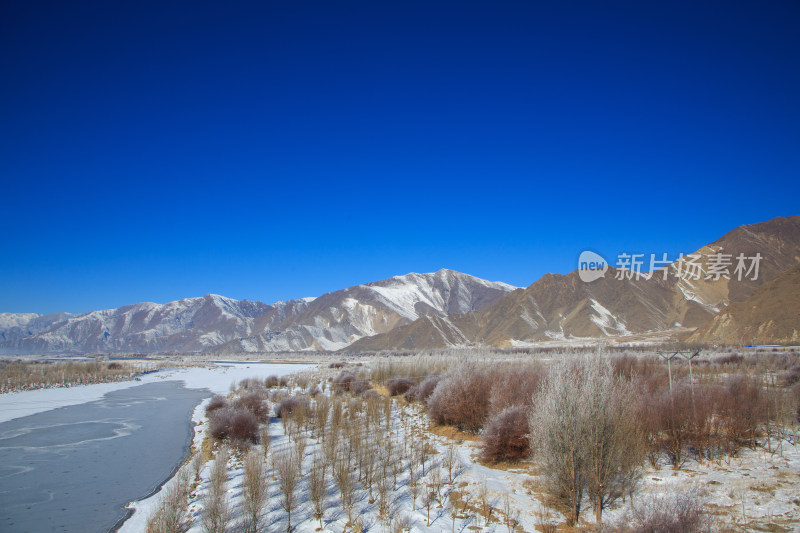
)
(756, 489)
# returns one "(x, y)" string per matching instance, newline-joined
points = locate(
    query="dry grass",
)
(381, 390)
(22, 375)
(453, 433)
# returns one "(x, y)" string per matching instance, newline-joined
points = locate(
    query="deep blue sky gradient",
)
(151, 151)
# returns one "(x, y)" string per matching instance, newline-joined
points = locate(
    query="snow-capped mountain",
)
(329, 322)
(562, 307)
(337, 319)
(191, 324)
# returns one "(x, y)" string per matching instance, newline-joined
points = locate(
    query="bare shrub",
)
(791, 376)
(344, 380)
(733, 359)
(506, 436)
(272, 382)
(671, 513)
(292, 406)
(646, 372)
(514, 387)
(238, 425)
(217, 402)
(249, 383)
(399, 386)
(421, 393)
(745, 408)
(255, 403)
(462, 398)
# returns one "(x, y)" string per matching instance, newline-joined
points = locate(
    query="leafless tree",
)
(170, 515)
(413, 487)
(254, 490)
(216, 513)
(449, 460)
(509, 511)
(265, 439)
(317, 486)
(435, 480)
(485, 500)
(382, 483)
(321, 413)
(286, 468)
(344, 481)
(299, 450)
(583, 424)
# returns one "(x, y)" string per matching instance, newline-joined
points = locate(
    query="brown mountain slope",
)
(562, 306)
(770, 316)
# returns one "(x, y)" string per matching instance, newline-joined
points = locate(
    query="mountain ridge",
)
(205, 323)
(563, 307)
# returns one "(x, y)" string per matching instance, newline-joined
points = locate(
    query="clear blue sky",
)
(151, 151)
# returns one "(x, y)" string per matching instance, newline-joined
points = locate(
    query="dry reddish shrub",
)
(733, 359)
(398, 386)
(462, 398)
(791, 377)
(237, 424)
(674, 412)
(255, 403)
(514, 387)
(291, 406)
(423, 391)
(271, 382)
(648, 373)
(249, 383)
(743, 409)
(506, 436)
(217, 402)
(349, 382)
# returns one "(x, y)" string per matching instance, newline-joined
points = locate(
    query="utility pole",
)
(669, 356)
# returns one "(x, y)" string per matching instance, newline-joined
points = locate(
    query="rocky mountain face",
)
(337, 319)
(563, 307)
(216, 323)
(187, 325)
(771, 315)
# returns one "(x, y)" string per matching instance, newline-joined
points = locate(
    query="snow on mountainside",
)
(337, 319)
(329, 322)
(191, 324)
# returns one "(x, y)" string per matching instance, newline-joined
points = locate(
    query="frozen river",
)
(74, 468)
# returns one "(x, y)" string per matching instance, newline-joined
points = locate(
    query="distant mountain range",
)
(450, 309)
(215, 323)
